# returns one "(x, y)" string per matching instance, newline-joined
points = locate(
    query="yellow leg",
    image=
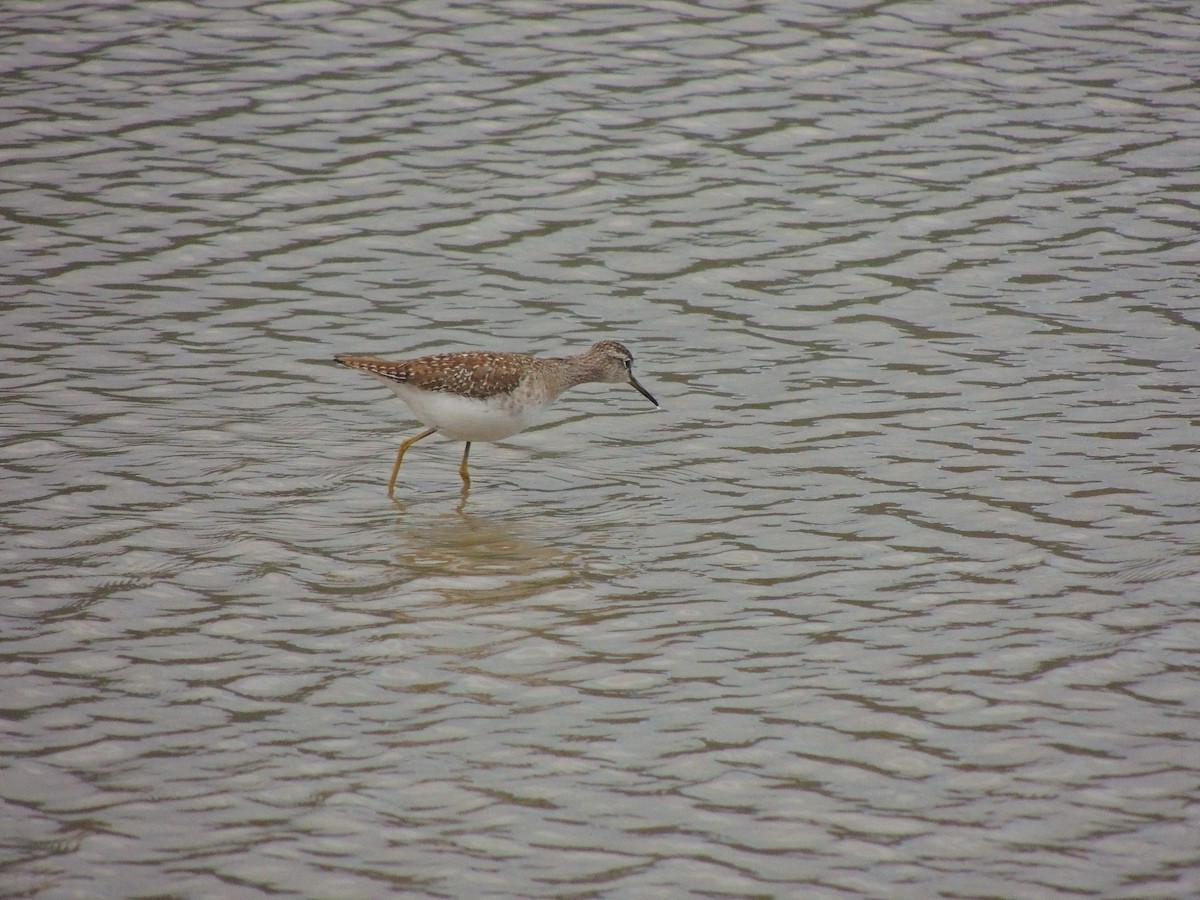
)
(462, 470)
(400, 456)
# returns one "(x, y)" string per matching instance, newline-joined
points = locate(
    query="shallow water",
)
(896, 597)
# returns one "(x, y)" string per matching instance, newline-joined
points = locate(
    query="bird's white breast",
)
(465, 418)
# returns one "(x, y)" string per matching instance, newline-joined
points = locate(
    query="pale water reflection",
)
(896, 597)
(454, 548)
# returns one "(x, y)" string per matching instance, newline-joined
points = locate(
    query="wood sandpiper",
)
(482, 396)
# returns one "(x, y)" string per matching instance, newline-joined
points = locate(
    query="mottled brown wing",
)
(472, 374)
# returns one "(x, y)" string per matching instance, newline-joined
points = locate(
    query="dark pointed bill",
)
(641, 390)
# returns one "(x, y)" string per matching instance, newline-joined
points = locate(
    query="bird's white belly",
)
(465, 418)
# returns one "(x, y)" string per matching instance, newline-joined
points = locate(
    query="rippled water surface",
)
(896, 598)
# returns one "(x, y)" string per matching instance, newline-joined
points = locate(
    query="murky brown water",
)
(897, 598)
